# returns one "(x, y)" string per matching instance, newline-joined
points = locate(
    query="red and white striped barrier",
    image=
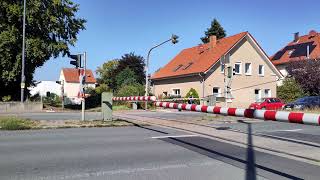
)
(135, 98)
(179, 99)
(283, 116)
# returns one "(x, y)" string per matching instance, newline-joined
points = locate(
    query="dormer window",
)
(177, 68)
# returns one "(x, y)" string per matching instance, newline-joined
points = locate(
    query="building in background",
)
(300, 48)
(69, 77)
(203, 68)
(45, 88)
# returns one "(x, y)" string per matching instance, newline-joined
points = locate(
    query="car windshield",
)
(274, 100)
(304, 99)
(260, 100)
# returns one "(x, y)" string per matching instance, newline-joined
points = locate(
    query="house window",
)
(237, 68)
(216, 91)
(165, 93)
(261, 70)
(247, 69)
(48, 94)
(257, 94)
(222, 68)
(176, 91)
(267, 93)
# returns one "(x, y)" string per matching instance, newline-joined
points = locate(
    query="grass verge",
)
(14, 123)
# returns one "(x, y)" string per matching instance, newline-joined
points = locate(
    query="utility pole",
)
(23, 78)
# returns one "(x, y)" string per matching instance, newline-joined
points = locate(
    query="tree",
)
(215, 29)
(134, 89)
(307, 74)
(290, 90)
(126, 76)
(135, 63)
(51, 27)
(107, 73)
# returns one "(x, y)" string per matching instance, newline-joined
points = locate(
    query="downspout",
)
(202, 76)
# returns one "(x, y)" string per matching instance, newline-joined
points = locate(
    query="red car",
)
(268, 104)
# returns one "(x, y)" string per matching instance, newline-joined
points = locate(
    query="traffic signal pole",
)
(84, 99)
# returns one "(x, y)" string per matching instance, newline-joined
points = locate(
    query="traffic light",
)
(231, 71)
(77, 60)
(174, 39)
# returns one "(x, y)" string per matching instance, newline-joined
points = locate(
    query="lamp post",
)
(23, 78)
(174, 40)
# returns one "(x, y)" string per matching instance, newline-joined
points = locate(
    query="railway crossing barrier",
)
(272, 115)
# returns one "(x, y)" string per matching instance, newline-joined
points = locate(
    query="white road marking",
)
(292, 130)
(177, 136)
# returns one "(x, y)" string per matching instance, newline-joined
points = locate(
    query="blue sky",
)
(116, 27)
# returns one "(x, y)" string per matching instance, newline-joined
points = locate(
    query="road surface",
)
(137, 153)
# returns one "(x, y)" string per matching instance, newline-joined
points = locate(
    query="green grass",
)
(120, 107)
(14, 123)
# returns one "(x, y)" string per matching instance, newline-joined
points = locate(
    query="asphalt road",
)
(137, 153)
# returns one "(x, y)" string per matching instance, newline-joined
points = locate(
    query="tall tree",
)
(51, 28)
(126, 76)
(307, 74)
(107, 73)
(135, 63)
(215, 29)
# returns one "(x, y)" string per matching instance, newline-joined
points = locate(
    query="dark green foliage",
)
(193, 93)
(215, 29)
(51, 28)
(135, 63)
(307, 74)
(134, 89)
(126, 77)
(290, 90)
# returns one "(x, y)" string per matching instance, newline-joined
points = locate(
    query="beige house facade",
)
(255, 76)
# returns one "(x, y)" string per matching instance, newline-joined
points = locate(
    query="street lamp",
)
(174, 40)
(23, 78)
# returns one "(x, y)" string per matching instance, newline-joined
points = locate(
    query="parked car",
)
(304, 103)
(268, 104)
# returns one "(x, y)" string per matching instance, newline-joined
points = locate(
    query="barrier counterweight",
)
(283, 116)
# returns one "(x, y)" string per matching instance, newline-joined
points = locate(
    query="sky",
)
(117, 27)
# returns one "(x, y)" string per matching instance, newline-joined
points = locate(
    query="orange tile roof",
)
(294, 51)
(197, 59)
(72, 75)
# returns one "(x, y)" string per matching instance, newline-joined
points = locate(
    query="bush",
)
(13, 123)
(6, 98)
(290, 90)
(52, 100)
(193, 93)
(134, 89)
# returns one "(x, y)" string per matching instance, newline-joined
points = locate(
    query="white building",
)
(44, 88)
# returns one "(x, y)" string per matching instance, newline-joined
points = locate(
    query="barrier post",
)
(106, 106)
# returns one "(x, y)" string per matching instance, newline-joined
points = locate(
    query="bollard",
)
(134, 105)
(106, 106)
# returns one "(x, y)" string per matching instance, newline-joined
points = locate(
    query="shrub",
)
(52, 100)
(193, 93)
(290, 90)
(6, 98)
(134, 89)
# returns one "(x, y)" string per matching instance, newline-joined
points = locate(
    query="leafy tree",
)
(106, 73)
(215, 29)
(290, 90)
(307, 74)
(51, 28)
(135, 63)
(126, 76)
(134, 89)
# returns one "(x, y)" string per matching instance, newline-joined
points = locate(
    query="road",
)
(137, 153)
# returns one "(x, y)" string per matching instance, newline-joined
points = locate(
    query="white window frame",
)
(259, 94)
(240, 68)
(174, 91)
(219, 91)
(262, 73)
(269, 93)
(222, 67)
(249, 70)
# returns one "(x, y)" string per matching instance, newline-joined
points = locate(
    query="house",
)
(300, 48)
(45, 88)
(69, 77)
(203, 68)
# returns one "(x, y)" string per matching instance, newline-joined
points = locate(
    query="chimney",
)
(296, 37)
(213, 41)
